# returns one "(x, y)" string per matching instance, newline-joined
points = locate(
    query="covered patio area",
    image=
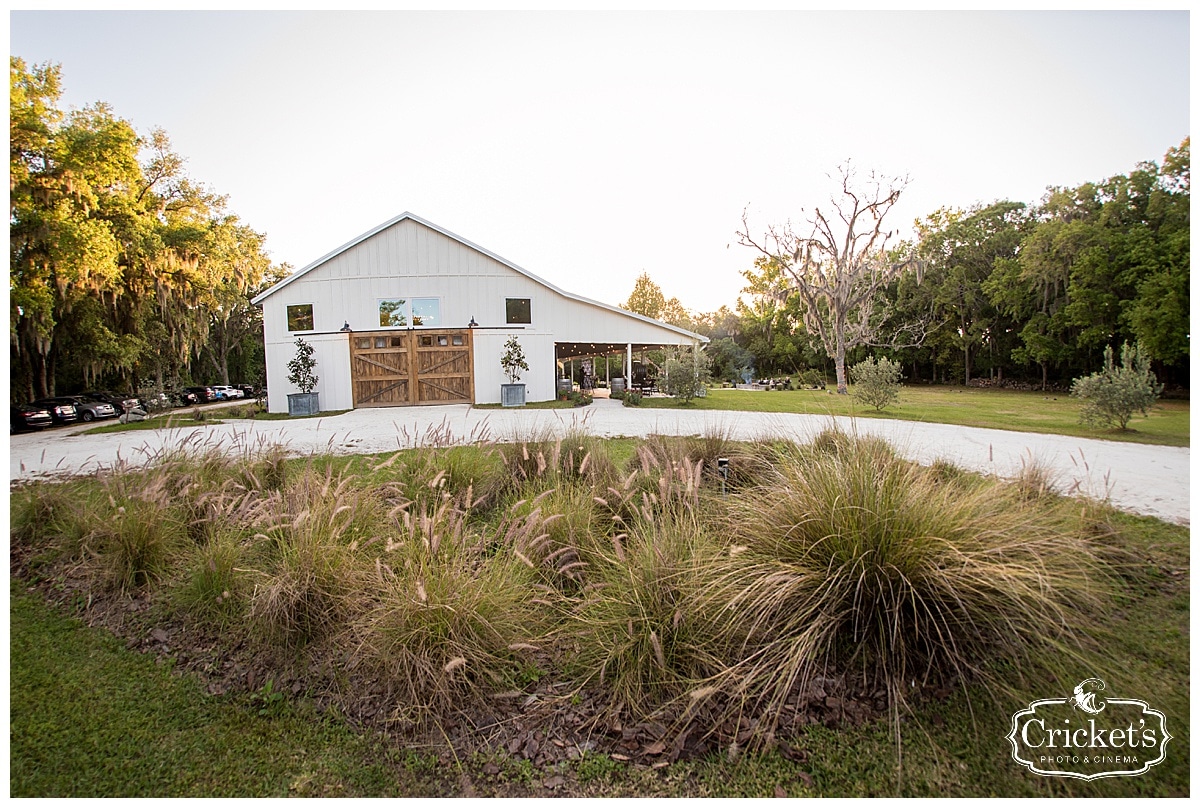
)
(595, 365)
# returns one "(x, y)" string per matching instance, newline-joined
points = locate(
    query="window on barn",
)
(393, 312)
(402, 312)
(517, 311)
(300, 317)
(426, 311)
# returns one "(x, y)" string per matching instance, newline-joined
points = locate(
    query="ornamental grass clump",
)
(564, 529)
(412, 474)
(453, 611)
(215, 585)
(308, 557)
(548, 461)
(857, 560)
(636, 630)
(136, 539)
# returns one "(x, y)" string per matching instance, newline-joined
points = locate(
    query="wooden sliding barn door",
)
(398, 368)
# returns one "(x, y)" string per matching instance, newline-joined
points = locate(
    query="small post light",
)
(723, 470)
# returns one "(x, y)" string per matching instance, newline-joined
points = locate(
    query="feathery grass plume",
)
(136, 539)
(311, 573)
(215, 586)
(860, 560)
(1036, 479)
(408, 474)
(51, 517)
(541, 456)
(637, 629)
(563, 533)
(265, 469)
(451, 613)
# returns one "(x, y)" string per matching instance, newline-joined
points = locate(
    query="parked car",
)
(120, 401)
(90, 410)
(62, 409)
(202, 394)
(247, 390)
(225, 391)
(27, 416)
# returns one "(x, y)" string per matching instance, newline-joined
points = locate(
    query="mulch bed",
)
(548, 723)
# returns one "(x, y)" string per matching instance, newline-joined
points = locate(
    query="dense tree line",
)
(1007, 291)
(123, 271)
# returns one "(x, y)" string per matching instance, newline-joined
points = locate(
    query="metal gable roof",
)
(406, 215)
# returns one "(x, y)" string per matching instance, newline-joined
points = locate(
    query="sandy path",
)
(1151, 480)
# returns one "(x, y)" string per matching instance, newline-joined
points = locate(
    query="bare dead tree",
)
(840, 268)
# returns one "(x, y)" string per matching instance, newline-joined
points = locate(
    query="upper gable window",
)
(300, 317)
(426, 311)
(517, 311)
(402, 312)
(393, 313)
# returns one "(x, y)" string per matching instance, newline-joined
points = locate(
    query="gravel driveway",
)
(1151, 480)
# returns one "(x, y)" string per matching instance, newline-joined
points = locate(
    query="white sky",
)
(588, 147)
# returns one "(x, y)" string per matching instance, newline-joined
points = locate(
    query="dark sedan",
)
(205, 394)
(27, 416)
(62, 409)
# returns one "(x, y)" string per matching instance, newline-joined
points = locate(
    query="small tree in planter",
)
(512, 362)
(300, 373)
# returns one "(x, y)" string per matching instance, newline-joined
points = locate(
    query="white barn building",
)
(410, 313)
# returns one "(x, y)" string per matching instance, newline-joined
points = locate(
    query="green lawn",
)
(1049, 413)
(181, 419)
(91, 719)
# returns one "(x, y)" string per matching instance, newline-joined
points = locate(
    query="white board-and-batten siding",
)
(410, 258)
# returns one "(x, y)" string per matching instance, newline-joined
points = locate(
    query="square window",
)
(381, 342)
(426, 342)
(364, 343)
(426, 311)
(443, 341)
(397, 342)
(456, 339)
(517, 311)
(300, 317)
(393, 313)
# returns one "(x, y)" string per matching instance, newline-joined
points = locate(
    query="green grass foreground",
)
(1047, 413)
(614, 573)
(198, 417)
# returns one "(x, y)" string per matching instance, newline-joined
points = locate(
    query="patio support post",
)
(628, 364)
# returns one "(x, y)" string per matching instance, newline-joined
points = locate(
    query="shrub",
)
(858, 560)
(685, 380)
(633, 398)
(1111, 396)
(577, 398)
(812, 378)
(876, 382)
